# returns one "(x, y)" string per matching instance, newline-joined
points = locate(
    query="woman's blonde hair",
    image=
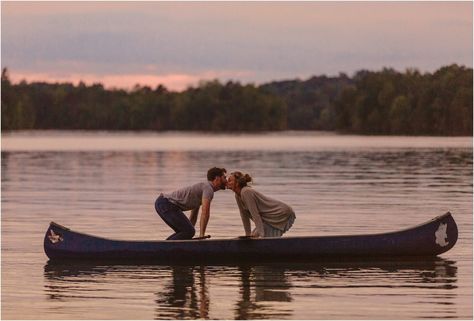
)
(241, 178)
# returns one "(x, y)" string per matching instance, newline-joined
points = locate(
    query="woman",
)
(272, 218)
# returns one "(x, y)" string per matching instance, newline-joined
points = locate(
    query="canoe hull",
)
(429, 239)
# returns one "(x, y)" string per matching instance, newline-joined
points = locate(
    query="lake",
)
(106, 183)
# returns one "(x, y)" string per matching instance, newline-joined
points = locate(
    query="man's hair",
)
(215, 172)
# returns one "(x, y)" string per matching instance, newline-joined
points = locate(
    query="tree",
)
(400, 114)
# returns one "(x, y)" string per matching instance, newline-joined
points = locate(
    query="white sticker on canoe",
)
(441, 234)
(54, 238)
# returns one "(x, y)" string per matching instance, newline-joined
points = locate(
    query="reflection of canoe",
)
(429, 239)
(429, 268)
(188, 291)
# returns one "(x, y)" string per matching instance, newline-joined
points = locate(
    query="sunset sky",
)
(177, 44)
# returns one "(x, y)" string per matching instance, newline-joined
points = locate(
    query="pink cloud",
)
(172, 81)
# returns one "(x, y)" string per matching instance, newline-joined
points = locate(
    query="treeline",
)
(383, 102)
(209, 107)
(389, 102)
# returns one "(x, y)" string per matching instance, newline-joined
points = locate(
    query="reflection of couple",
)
(261, 285)
(187, 295)
(271, 217)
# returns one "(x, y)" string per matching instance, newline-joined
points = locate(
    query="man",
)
(170, 206)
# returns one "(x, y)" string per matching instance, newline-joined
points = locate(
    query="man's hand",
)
(202, 237)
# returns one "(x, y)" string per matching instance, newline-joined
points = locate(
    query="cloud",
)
(266, 40)
(175, 82)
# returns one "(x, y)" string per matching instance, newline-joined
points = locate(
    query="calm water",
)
(106, 184)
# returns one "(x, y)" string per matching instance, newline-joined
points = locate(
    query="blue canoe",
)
(429, 239)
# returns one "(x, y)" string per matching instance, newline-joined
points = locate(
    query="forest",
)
(385, 102)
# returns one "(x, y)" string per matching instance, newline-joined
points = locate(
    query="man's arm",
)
(205, 213)
(194, 215)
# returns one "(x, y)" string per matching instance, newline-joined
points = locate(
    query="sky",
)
(178, 44)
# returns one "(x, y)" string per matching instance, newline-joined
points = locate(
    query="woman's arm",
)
(250, 201)
(244, 215)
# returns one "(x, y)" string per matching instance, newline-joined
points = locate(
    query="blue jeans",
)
(175, 218)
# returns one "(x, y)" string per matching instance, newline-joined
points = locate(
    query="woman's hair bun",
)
(242, 179)
(247, 178)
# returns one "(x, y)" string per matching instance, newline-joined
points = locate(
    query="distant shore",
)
(288, 141)
(296, 133)
(385, 102)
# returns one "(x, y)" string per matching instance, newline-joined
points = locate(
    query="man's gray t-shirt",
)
(190, 197)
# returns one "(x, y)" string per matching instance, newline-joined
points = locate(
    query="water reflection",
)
(260, 284)
(186, 296)
(264, 291)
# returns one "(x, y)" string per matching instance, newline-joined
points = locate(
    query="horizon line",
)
(175, 81)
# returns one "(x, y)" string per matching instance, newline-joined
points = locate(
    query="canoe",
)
(427, 240)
